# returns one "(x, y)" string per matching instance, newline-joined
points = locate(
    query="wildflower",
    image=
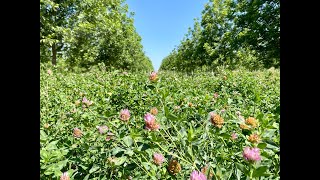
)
(49, 72)
(234, 136)
(64, 176)
(174, 167)
(112, 160)
(102, 129)
(196, 175)
(153, 76)
(254, 138)
(225, 78)
(176, 108)
(86, 102)
(223, 110)
(252, 121)
(46, 125)
(109, 136)
(244, 126)
(77, 132)
(124, 115)
(190, 104)
(151, 123)
(216, 120)
(158, 158)
(204, 171)
(215, 95)
(77, 102)
(251, 154)
(154, 111)
(149, 119)
(154, 126)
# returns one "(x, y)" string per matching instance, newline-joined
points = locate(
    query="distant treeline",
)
(82, 33)
(230, 33)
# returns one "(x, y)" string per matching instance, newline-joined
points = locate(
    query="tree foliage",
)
(230, 33)
(89, 32)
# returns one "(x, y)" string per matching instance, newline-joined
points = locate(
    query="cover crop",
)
(166, 125)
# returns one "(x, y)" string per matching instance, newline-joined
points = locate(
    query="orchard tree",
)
(90, 32)
(54, 15)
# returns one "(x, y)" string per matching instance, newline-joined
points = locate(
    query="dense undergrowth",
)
(245, 112)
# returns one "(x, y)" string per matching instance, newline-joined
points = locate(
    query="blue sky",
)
(162, 24)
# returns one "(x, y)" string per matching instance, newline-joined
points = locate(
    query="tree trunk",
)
(54, 54)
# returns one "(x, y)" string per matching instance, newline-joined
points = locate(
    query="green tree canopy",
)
(88, 32)
(231, 33)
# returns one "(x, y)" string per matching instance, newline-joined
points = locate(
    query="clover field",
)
(208, 122)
